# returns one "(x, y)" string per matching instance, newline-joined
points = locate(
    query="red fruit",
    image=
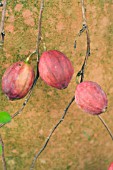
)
(55, 69)
(111, 166)
(17, 80)
(91, 98)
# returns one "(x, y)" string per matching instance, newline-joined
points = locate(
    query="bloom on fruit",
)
(18, 80)
(90, 97)
(55, 69)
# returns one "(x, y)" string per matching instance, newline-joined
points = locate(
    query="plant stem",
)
(39, 28)
(25, 102)
(81, 72)
(28, 58)
(37, 74)
(106, 126)
(50, 135)
(3, 155)
(82, 75)
(88, 41)
(2, 22)
(84, 28)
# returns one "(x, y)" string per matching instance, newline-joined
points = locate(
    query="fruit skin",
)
(17, 80)
(91, 98)
(111, 166)
(55, 69)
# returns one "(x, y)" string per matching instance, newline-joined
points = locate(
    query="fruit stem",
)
(28, 58)
(106, 126)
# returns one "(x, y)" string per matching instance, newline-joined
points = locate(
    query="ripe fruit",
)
(55, 69)
(91, 98)
(17, 80)
(111, 166)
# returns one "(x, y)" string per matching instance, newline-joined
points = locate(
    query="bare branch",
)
(81, 72)
(39, 28)
(37, 74)
(2, 22)
(106, 126)
(3, 155)
(84, 28)
(48, 138)
(25, 102)
(83, 13)
(82, 75)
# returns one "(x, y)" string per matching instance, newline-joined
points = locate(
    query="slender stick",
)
(37, 74)
(106, 126)
(3, 155)
(24, 103)
(2, 21)
(81, 72)
(84, 28)
(39, 28)
(82, 76)
(50, 135)
(83, 13)
(88, 41)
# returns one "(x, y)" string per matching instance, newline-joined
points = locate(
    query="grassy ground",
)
(80, 142)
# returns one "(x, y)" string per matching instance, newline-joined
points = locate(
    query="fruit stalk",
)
(106, 126)
(28, 58)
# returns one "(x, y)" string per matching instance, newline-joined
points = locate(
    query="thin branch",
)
(48, 138)
(25, 102)
(3, 155)
(106, 126)
(2, 22)
(37, 74)
(65, 111)
(88, 41)
(81, 72)
(83, 13)
(84, 28)
(39, 28)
